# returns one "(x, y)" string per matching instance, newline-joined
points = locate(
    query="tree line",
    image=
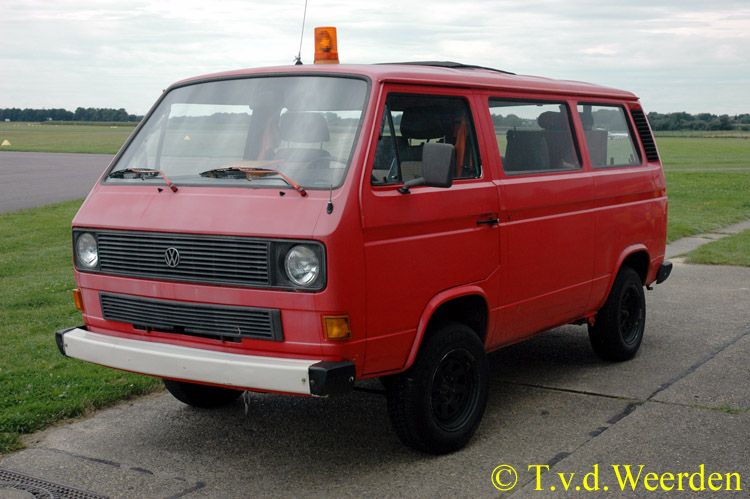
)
(659, 121)
(702, 121)
(80, 114)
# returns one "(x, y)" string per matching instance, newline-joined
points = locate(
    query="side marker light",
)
(78, 299)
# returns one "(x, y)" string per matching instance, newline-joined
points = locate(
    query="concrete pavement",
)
(683, 402)
(688, 244)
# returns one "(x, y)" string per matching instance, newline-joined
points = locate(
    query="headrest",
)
(551, 120)
(303, 127)
(425, 122)
(587, 119)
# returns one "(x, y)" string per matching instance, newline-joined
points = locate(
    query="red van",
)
(297, 229)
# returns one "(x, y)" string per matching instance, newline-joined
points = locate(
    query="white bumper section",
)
(190, 364)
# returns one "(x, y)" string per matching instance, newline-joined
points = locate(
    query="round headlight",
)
(87, 253)
(302, 265)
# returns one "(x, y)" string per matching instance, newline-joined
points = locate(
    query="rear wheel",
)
(203, 396)
(437, 404)
(618, 329)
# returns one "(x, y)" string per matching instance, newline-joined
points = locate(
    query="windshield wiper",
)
(255, 173)
(142, 173)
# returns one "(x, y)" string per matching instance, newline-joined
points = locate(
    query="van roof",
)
(437, 73)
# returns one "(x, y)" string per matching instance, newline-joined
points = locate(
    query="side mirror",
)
(438, 164)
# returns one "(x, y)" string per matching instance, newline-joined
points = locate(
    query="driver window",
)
(408, 122)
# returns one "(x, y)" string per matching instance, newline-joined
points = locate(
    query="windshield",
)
(301, 127)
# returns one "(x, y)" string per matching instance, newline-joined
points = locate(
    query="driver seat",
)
(302, 128)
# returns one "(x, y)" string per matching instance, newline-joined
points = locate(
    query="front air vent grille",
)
(214, 321)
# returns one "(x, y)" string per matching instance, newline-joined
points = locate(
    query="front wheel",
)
(618, 328)
(203, 396)
(436, 405)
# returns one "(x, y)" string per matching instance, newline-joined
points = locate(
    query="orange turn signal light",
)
(326, 48)
(337, 327)
(78, 299)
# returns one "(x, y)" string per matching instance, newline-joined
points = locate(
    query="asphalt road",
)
(29, 179)
(681, 406)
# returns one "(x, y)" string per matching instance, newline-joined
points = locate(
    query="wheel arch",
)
(637, 258)
(466, 305)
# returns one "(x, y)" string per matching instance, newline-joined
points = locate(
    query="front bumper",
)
(305, 377)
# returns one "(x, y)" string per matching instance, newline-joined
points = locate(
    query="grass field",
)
(705, 201)
(36, 137)
(706, 134)
(733, 249)
(708, 184)
(39, 387)
(704, 153)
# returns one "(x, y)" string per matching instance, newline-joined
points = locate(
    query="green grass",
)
(38, 386)
(706, 134)
(36, 137)
(709, 200)
(730, 410)
(703, 153)
(706, 201)
(731, 250)
(125, 124)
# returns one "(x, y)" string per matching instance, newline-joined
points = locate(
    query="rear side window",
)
(409, 121)
(608, 136)
(534, 137)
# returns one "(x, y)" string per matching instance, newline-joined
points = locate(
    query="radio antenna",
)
(298, 59)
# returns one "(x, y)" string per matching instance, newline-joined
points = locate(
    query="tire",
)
(202, 396)
(618, 329)
(436, 405)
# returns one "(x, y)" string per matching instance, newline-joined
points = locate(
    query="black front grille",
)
(234, 261)
(641, 123)
(215, 321)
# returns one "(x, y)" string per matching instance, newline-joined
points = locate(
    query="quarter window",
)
(608, 136)
(534, 137)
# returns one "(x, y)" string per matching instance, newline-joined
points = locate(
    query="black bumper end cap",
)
(664, 270)
(331, 378)
(59, 338)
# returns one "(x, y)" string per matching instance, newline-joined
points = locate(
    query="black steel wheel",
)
(437, 404)
(202, 396)
(454, 389)
(618, 328)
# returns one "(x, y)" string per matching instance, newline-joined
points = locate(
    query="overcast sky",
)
(676, 55)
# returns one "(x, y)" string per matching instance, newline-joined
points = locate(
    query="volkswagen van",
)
(299, 229)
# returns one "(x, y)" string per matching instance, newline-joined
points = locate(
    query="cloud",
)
(605, 50)
(112, 54)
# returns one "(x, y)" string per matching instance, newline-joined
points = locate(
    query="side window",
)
(409, 121)
(608, 136)
(534, 137)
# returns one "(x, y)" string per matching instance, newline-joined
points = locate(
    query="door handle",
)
(489, 221)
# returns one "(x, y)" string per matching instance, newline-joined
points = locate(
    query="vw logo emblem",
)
(172, 257)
